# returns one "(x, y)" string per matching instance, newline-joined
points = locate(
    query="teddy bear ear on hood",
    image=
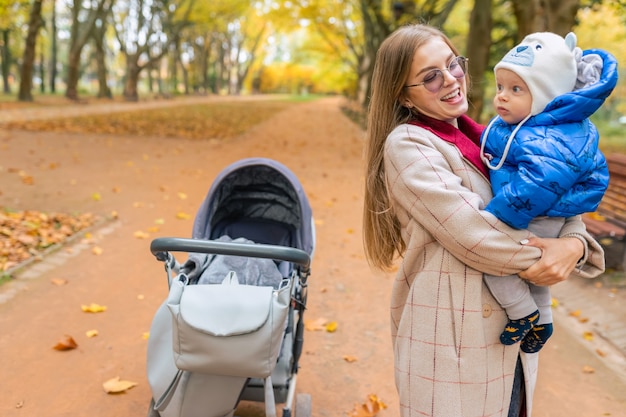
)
(570, 41)
(546, 62)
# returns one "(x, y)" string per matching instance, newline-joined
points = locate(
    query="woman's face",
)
(449, 102)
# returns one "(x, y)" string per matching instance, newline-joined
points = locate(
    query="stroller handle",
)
(280, 253)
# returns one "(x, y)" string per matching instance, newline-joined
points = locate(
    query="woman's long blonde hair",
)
(381, 229)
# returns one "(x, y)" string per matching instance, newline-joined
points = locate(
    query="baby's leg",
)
(541, 332)
(514, 296)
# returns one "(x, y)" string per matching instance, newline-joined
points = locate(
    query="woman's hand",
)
(558, 260)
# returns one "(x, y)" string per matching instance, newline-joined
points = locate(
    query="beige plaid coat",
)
(445, 324)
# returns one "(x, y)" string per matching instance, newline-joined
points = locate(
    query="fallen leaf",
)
(601, 353)
(596, 216)
(183, 216)
(182, 196)
(141, 235)
(369, 409)
(116, 385)
(317, 324)
(116, 189)
(159, 221)
(575, 313)
(93, 308)
(20, 404)
(140, 296)
(91, 333)
(145, 335)
(58, 281)
(555, 302)
(28, 180)
(349, 358)
(97, 250)
(96, 196)
(331, 327)
(588, 369)
(67, 343)
(588, 336)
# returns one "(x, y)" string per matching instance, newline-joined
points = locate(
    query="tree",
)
(477, 50)
(145, 30)
(82, 28)
(53, 48)
(98, 35)
(556, 16)
(28, 59)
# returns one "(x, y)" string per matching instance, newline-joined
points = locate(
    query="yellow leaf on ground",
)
(349, 358)
(182, 216)
(116, 385)
(369, 409)
(96, 196)
(575, 313)
(67, 343)
(588, 336)
(97, 250)
(141, 235)
(596, 216)
(317, 324)
(145, 335)
(588, 369)
(182, 196)
(331, 327)
(91, 333)
(93, 308)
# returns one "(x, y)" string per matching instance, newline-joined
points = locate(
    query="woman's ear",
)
(405, 102)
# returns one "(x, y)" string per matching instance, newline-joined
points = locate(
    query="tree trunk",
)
(53, 49)
(103, 87)
(78, 38)
(28, 59)
(132, 79)
(477, 50)
(73, 74)
(558, 16)
(42, 72)
(6, 61)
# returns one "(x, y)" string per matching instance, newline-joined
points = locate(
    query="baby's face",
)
(513, 100)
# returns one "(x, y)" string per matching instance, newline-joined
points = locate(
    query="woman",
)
(426, 188)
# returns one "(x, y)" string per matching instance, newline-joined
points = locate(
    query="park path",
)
(152, 180)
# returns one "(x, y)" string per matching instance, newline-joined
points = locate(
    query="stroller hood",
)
(257, 190)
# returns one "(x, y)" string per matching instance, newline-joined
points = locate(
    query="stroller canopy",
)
(257, 190)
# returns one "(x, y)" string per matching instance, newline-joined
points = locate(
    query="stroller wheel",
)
(303, 405)
(151, 411)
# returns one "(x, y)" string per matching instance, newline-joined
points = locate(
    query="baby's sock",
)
(536, 338)
(517, 329)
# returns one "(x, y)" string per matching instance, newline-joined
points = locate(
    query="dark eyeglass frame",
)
(461, 61)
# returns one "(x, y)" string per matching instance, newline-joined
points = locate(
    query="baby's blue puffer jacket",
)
(553, 167)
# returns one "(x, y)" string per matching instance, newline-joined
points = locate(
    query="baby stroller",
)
(255, 224)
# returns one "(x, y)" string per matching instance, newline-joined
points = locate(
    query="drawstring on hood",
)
(484, 156)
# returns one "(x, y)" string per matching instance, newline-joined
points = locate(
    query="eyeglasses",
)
(433, 81)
